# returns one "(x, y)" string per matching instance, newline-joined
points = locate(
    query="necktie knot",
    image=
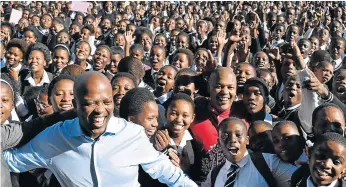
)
(231, 175)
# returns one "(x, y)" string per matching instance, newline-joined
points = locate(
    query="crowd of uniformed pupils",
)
(255, 86)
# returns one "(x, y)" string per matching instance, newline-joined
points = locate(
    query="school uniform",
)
(21, 69)
(204, 131)
(247, 175)
(149, 77)
(27, 81)
(338, 64)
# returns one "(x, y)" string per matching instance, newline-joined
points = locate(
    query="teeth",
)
(223, 98)
(99, 120)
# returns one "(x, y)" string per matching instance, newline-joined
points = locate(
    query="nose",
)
(100, 108)
(326, 164)
(179, 118)
(252, 96)
(67, 97)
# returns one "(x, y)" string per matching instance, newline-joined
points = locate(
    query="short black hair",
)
(59, 20)
(338, 38)
(139, 33)
(227, 120)
(123, 74)
(138, 47)
(74, 70)
(44, 91)
(55, 81)
(323, 107)
(182, 96)
(116, 50)
(80, 43)
(19, 43)
(9, 26)
(89, 28)
(245, 63)
(40, 47)
(188, 71)
(132, 103)
(260, 123)
(132, 65)
(32, 29)
(286, 122)
(331, 136)
(188, 53)
(105, 47)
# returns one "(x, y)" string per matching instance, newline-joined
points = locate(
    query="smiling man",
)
(95, 149)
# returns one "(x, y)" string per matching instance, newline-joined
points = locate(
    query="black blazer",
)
(149, 79)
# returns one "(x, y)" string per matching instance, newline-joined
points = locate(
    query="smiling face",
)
(120, 88)
(233, 140)
(14, 56)
(6, 102)
(161, 41)
(327, 162)
(222, 89)
(94, 103)
(165, 80)
(261, 60)
(60, 58)
(201, 59)
(329, 119)
(113, 66)
(62, 95)
(288, 144)
(180, 114)
(29, 37)
(181, 61)
(182, 42)
(102, 58)
(119, 40)
(36, 61)
(83, 51)
(63, 38)
(147, 118)
(253, 99)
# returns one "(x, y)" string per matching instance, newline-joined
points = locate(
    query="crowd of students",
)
(173, 93)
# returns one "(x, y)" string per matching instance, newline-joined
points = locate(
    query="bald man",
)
(95, 149)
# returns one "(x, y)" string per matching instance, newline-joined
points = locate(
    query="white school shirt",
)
(249, 176)
(310, 184)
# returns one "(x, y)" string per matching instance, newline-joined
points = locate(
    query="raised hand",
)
(128, 37)
(14, 74)
(221, 37)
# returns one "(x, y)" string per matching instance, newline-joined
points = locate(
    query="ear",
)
(247, 140)
(193, 117)
(130, 118)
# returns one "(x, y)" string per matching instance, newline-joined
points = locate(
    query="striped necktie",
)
(231, 176)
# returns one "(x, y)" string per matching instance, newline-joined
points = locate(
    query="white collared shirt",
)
(249, 176)
(338, 64)
(44, 79)
(187, 136)
(310, 184)
(17, 69)
(163, 98)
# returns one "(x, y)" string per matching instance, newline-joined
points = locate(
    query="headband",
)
(9, 85)
(63, 46)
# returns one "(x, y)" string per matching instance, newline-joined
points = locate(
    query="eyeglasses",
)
(41, 105)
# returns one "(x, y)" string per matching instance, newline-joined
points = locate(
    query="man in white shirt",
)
(95, 149)
(233, 140)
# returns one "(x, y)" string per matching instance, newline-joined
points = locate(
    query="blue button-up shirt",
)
(112, 160)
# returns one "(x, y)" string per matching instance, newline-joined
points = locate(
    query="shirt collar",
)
(310, 184)
(241, 163)
(268, 118)
(6, 122)
(186, 137)
(163, 98)
(114, 126)
(16, 68)
(44, 79)
(338, 63)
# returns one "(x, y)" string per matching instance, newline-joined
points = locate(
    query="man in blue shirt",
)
(95, 149)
